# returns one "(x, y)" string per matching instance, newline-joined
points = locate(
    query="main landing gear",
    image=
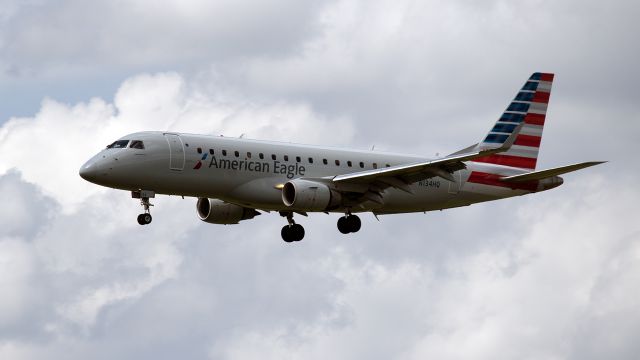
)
(349, 224)
(144, 196)
(295, 232)
(291, 232)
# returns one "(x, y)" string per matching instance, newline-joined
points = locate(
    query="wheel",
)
(141, 219)
(297, 232)
(286, 233)
(343, 225)
(353, 223)
(147, 218)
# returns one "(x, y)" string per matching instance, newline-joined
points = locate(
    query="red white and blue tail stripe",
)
(528, 107)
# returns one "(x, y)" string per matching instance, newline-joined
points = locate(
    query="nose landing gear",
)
(144, 219)
(349, 224)
(144, 196)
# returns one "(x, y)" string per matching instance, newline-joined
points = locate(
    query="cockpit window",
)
(118, 144)
(136, 144)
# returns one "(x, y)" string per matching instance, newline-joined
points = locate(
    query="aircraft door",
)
(454, 186)
(176, 152)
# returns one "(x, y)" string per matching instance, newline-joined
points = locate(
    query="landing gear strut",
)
(349, 224)
(144, 196)
(292, 232)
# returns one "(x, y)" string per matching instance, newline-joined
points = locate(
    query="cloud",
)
(143, 33)
(53, 144)
(552, 275)
(531, 299)
(561, 269)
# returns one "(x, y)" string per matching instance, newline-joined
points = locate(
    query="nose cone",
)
(90, 171)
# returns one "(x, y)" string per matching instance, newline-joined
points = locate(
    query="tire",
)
(297, 232)
(141, 219)
(286, 233)
(147, 218)
(343, 225)
(353, 223)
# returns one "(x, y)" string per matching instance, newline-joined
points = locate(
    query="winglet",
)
(492, 148)
(501, 142)
(512, 138)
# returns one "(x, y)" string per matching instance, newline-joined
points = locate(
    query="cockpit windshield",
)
(118, 144)
(136, 144)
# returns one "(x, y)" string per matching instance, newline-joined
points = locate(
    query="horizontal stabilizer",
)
(543, 174)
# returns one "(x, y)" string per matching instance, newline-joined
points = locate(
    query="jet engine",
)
(216, 211)
(306, 195)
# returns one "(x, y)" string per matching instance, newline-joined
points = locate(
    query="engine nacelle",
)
(306, 195)
(216, 211)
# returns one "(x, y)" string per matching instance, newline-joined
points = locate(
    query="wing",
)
(416, 171)
(401, 176)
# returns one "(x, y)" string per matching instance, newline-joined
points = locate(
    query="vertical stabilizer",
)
(529, 108)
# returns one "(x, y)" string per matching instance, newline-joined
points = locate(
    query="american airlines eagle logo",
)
(199, 163)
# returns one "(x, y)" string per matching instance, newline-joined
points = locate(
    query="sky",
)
(554, 275)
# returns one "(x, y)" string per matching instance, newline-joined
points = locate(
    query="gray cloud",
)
(552, 275)
(65, 36)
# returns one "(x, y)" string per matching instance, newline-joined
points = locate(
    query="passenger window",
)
(349, 163)
(286, 158)
(310, 160)
(337, 162)
(261, 156)
(211, 151)
(375, 166)
(387, 165)
(236, 153)
(248, 155)
(199, 150)
(136, 144)
(273, 156)
(298, 159)
(324, 161)
(118, 144)
(361, 165)
(224, 152)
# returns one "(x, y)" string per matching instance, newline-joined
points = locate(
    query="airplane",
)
(237, 179)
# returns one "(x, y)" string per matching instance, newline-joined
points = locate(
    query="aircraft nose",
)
(90, 171)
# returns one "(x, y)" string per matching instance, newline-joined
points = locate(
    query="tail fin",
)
(529, 108)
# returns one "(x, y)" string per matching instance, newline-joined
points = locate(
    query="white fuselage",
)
(251, 173)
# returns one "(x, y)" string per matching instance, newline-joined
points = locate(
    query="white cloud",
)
(76, 246)
(552, 275)
(143, 33)
(49, 148)
(569, 266)
(17, 266)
